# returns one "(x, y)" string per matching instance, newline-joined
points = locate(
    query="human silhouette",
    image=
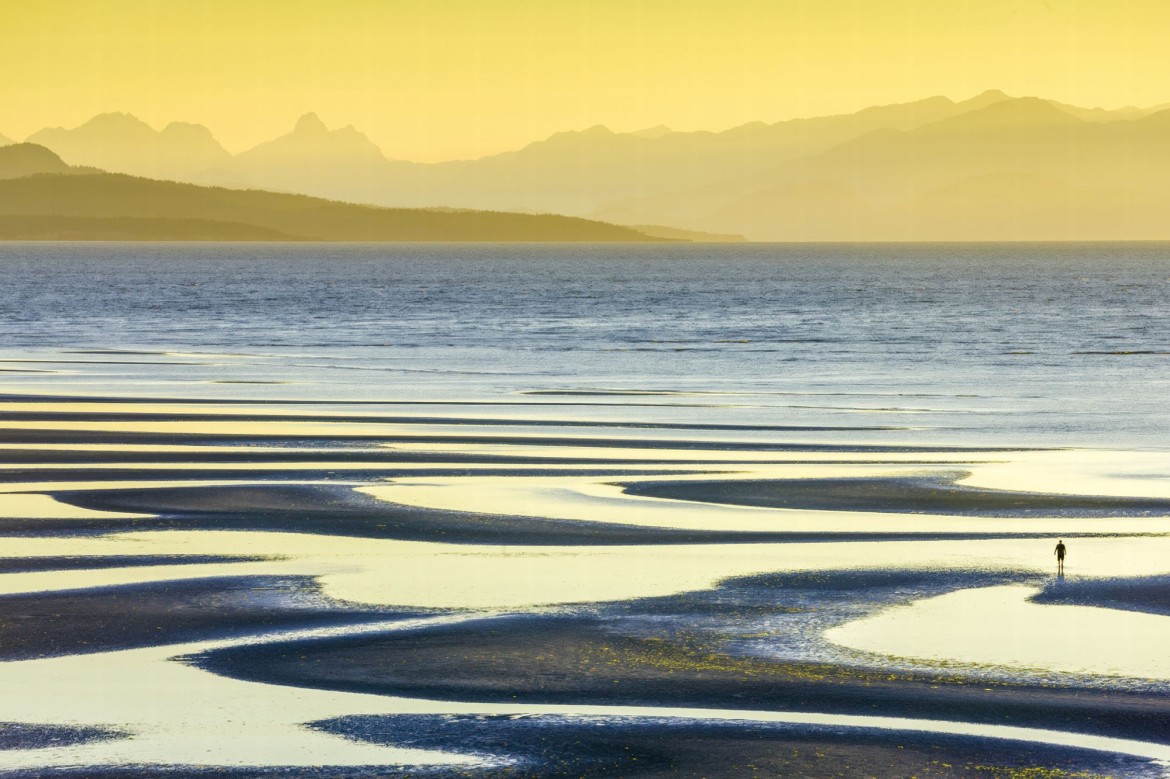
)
(1060, 558)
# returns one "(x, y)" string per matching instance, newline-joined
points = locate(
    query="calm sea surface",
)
(1033, 344)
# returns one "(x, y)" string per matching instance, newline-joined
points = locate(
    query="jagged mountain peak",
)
(107, 125)
(656, 131)
(1159, 118)
(596, 131)
(985, 98)
(1013, 112)
(115, 117)
(310, 123)
(123, 143)
(186, 128)
(332, 154)
(310, 129)
(989, 96)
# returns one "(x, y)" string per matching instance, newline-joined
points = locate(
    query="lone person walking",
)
(1060, 558)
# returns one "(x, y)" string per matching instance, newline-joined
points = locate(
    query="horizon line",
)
(595, 126)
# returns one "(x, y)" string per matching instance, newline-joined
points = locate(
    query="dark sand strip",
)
(902, 495)
(96, 363)
(27, 398)
(115, 473)
(19, 735)
(661, 747)
(65, 436)
(351, 453)
(152, 771)
(145, 416)
(721, 648)
(653, 748)
(109, 618)
(601, 392)
(142, 352)
(1149, 594)
(92, 563)
(577, 661)
(101, 362)
(340, 511)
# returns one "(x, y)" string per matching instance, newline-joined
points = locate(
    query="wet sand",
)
(337, 510)
(651, 568)
(120, 617)
(682, 652)
(29, 564)
(663, 748)
(925, 495)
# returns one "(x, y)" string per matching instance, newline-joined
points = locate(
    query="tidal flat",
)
(527, 538)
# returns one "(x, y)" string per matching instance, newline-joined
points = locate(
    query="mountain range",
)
(994, 167)
(43, 198)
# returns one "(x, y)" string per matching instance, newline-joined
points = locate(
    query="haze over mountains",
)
(993, 167)
(121, 143)
(42, 198)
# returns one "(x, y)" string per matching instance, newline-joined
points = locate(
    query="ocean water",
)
(1036, 344)
(335, 511)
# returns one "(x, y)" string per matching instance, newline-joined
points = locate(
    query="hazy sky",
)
(438, 79)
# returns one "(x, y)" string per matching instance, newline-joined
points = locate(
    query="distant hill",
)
(934, 183)
(61, 205)
(867, 175)
(342, 164)
(653, 132)
(1026, 207)
(80, 228)
(573, 172)
(678, 234)
(1013, 113)
(27, 159)
(123, 143)
(4, 141)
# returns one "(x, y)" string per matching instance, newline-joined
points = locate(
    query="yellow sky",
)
(441, 79)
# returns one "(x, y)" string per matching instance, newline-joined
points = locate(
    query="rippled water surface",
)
(1055, 343)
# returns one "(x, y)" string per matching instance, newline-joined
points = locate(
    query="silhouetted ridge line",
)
(49, 202)
(871, 175)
